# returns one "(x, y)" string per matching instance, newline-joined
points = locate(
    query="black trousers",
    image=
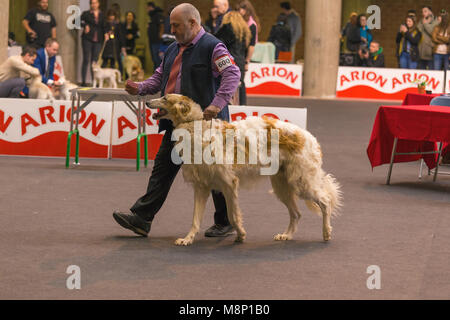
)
(163, 174)
(91, 51)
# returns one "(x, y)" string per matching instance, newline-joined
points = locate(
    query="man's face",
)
(94, 5)
(150, 8)
(28, 59)
(43, 4)
(53, 49)
(374, 47)
(182, 30)
(221, 6)
(426, 12)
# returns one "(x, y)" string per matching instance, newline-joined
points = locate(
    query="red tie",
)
(176, 66)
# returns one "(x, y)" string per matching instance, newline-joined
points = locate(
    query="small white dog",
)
(102, 74)
(299, 173)
(39, 90)
(64, 90)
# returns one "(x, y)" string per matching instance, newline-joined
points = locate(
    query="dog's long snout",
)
(154, 104)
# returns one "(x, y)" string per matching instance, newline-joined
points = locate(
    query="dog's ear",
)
(182, 108)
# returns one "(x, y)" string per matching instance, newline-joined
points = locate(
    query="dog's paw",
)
(282, 237)
(183, 242)
(240, 239)
(327, 234)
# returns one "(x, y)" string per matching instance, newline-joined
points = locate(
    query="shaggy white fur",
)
(300, 173)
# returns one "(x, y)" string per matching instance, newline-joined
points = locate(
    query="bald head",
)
(188, 12)
(185, 23)
(222, 6)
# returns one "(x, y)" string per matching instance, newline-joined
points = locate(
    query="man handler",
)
(199, 66)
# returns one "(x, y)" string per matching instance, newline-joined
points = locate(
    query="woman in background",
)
(235, 34)
(408, 39)
(441, 41)
(248, 12)
(364, 31)
(130, 30)
(92, 23)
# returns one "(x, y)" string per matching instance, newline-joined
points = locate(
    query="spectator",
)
(294, 23)
(130, 30)
(167, 38)
(154, 32)
(118, 12)
(115, 43)
(373, 57)
(412, 13)
(351, 40)
(223, 7)
(39, 24)
(248, 12)
(280, 35)
(426, 26)
(45, 61)
(93, 24)
(441, 40)
(364, 31)
(211, 23)
(11, 84)
(407, 40)
(235, 34)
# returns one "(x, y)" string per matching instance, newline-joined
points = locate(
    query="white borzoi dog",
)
(299, 173)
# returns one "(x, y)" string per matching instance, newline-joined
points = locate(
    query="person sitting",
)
(374, 57)
(11, 84)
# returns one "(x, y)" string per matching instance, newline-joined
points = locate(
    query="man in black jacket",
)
(154, 32)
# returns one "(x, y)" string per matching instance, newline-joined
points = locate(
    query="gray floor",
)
(51, 218)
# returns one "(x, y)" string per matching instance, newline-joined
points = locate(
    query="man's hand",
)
(211, 112)
(87, 29)
(132, 87)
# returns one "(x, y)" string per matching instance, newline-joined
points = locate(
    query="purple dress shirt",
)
(228, 84)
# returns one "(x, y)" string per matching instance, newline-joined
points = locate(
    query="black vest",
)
(197, 80)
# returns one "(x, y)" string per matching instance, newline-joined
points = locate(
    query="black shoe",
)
(219, 230)
(133, 222)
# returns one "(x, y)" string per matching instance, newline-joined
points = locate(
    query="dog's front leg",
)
(200, 198)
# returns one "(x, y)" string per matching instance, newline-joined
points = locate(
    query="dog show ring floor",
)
(52, 218)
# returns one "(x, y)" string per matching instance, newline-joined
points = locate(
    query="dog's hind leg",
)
(200, 197)
(234, 212)
(326, 215)
(287, 196)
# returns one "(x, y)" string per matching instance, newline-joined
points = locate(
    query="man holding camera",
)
(372, 57)
(426, 26)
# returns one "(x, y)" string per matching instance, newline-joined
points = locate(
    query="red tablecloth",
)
(417, 127)
(418, 99)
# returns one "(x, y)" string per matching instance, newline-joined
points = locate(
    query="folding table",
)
(408, 133)
(87, 95)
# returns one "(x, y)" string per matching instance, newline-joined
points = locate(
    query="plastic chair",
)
(443, 100)
(284, 57)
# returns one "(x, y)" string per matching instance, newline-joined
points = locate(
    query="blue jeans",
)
(440, 59)
(406, 62)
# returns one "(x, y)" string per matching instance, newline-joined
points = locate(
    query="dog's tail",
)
(332, 196)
